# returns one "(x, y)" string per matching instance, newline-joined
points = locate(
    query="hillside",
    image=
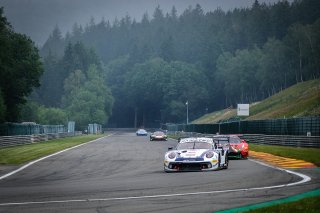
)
(302, 99)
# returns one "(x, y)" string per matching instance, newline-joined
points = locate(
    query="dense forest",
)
(126, 73)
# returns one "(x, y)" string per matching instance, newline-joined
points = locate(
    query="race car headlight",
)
(172, 155)
(209, 155)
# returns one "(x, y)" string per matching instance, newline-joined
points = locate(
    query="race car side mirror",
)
(170, 148)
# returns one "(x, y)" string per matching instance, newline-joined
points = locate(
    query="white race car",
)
(196, 154)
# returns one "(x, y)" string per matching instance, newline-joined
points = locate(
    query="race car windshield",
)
(224, 140)
(234, 140)
(194, 145)
(159, 133)
(221, 140)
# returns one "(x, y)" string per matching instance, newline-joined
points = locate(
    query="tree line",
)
(212, 60)
(73, 89)
(145, 72)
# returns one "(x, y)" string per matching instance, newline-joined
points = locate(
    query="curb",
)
(279, 161)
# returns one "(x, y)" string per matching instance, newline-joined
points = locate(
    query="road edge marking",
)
(305, 178)
(293, 198)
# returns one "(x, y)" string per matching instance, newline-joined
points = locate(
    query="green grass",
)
(300, 100)
(310, 205)
(216, 116)
(307, 154)
(24, 153)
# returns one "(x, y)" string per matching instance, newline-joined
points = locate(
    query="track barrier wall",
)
(13, 134)
(6, 141)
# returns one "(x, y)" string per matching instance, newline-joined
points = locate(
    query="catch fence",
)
(30, 128)
(292, 126)
(298, 132)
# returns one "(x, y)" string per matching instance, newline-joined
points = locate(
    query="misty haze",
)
(159, 105)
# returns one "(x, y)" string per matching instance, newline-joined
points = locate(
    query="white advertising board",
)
(243, 110)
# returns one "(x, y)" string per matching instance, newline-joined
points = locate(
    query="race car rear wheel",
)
(226, 163)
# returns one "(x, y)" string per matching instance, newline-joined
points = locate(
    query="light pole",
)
(187, 112)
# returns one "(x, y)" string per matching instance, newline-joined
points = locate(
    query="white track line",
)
(305, 179)
(48, 156)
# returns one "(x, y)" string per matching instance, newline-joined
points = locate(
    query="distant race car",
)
(239, 148)
(196, 154)
(158, 135)
(141, 132)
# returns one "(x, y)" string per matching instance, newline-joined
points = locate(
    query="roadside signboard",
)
(243, 110)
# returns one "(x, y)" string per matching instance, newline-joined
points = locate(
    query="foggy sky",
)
(37, 18)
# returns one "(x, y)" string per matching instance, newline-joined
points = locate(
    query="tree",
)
(158, 15)
(144, 86)
(115, 75)
(33, 112)
(274, 72)
(303, 50)
(76, 57)
(238, 74)
(20, 68)
(158, 90)
(54, 45)
(92, 102)
(72, 85)
(186, 82)
(49, 93)
(30, 112)
(3, 109)
(52, 116)
(167, 49)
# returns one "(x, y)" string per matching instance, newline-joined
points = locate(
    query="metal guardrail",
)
(8, 141)
(281, 140)
(284, 140)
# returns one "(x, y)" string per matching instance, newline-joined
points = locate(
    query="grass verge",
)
(24, 153)
(307, 154)
(304, 205)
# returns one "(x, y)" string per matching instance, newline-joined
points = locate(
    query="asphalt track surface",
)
(124, 173)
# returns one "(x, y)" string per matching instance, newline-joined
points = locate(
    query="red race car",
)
(239, 148)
